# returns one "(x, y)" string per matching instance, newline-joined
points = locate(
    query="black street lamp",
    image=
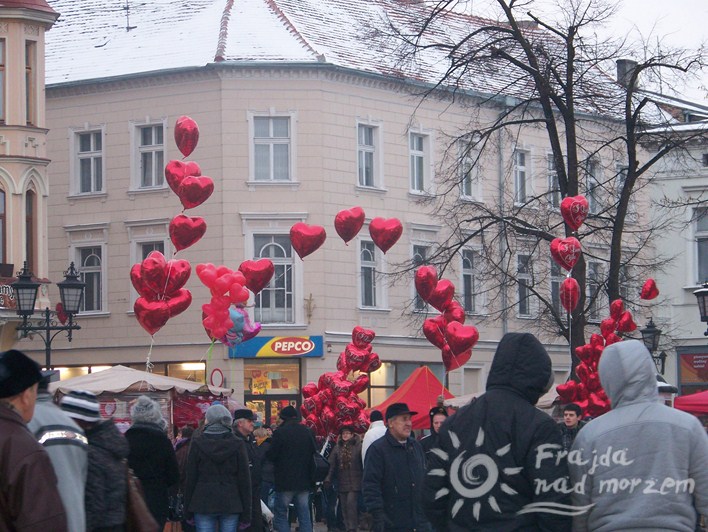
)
(702, 299)
(650, 336)
(71, 293)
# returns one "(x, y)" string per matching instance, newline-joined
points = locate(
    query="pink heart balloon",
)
(566, 251)
(306, 239)
(349, 222)
(574, 210)
(186, 231)
(186, 135)
(385, 233)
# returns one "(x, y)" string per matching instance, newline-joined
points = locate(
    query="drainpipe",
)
(500, 171)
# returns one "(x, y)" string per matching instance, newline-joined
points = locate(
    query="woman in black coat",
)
(218, 488)
(152, 457)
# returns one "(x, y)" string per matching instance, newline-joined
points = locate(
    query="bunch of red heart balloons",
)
(334, 401)
(159, 284)
(446, 331)
(307, 239)
(567, 251)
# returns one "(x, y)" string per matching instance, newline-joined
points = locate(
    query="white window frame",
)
(557, 276)
(380, 294)
(275, 223)
(700, 238)
(290, 141)
(75, 160)
(592, 186)
(470, 173)
(478, 302)
(376, 151)
(522, 175)
(525, 279)
(554, 193)
(142, 232)
(420, 161)
(137, 149)
(85, 236)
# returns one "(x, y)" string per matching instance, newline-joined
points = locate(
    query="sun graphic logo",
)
(475, 476)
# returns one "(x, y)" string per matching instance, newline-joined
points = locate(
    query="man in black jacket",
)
(497, 467)
(292, 453)
(393, 476)
(244, 420)
(437, 415)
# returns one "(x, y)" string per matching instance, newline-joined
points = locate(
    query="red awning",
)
(420, 392)
(696, 403)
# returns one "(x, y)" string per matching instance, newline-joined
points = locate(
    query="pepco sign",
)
(279, 347)
(292, 346)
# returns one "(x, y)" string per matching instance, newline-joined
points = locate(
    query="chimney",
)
(625, 69)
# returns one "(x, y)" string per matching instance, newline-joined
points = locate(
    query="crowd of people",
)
(497, 464)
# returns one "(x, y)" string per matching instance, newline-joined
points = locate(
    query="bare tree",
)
(526, 74)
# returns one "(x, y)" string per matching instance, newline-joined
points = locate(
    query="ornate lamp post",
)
(702, 300)
(650, 336)
(71, 293)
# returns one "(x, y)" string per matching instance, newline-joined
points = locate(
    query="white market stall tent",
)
(182, 401)
(545, 403)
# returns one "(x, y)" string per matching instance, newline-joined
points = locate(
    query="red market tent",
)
(420, 392)
(696, 403)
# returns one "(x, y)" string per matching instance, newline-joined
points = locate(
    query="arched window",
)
(31, 230)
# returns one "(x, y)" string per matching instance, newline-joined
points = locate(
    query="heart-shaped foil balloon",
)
(567, 392)
(426, 279)
(195, 190)
(153, 272)
(454, 312)
(258, 273)
(452, 361)
(186, 135)
(62, 316)
(569, 294)
(152, 315)
(616, 309)
(460, 337)
(441, 297)
(626, 323)
(649, 289)
(176, 171)
(385, 233)
(607, 327)
(574, 210)
(177, 273)
(179, 302)
(186, 230)
(566, 252)
(349, 222)
(140, 287)
(306, 239)
(434, 331)
(362, 337)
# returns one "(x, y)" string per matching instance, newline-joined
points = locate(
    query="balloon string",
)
(570, 332)
(167, 278)
(148, 364)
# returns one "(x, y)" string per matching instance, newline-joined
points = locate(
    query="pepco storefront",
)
(273, 372)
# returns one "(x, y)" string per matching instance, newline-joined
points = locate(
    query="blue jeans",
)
(208, 522)
(302, 506)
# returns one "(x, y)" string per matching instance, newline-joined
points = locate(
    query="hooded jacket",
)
(218, 477)
(291, 453)
(643, 458)
(485, 473)
(347, 475)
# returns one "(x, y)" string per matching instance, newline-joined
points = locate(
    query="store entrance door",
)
(267, 408)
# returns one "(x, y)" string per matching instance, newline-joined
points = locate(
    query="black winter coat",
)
(218, 477)
(106, 479)
(153, 461)
(393, 479)
(485, 470)
(291, 453)
(266, 465)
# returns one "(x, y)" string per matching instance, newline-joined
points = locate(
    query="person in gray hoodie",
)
(643, 465)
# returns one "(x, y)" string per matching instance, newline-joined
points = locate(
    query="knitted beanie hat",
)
(146, 410)
(218, 414)
(81, 405)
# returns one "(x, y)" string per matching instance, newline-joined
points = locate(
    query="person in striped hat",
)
(106, 486)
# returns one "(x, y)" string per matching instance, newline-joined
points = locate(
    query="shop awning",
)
(420, 392)
(696, 403)
(120, 379)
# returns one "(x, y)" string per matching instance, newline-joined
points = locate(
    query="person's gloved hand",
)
(244, 525)
(378, 521)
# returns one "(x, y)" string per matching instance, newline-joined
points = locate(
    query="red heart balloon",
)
(567, 392)
(616, 309)
(626, 323)
(61, 315)
(584, 352)
(152, 315)
(309, 390)
(385, 233)
(434, 331)
(174, 174)
(179, 302)
(574, 210)
(454, 312)
(186, 230)
(177, 273)
(460, 337)
(258, 273)
(137, 280)
(569, 294)
(362, 337)
(360, 383)
(607, 327)
(612, 338)
(195, 190)
(342, 364)
(566, 251)
(441, 297)
(649, 290)
(426, 279)
(306, 238)
(186, 135)
(349, 222)
(372, 364)
(452, 361)
(356, 357)
(153, 272)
